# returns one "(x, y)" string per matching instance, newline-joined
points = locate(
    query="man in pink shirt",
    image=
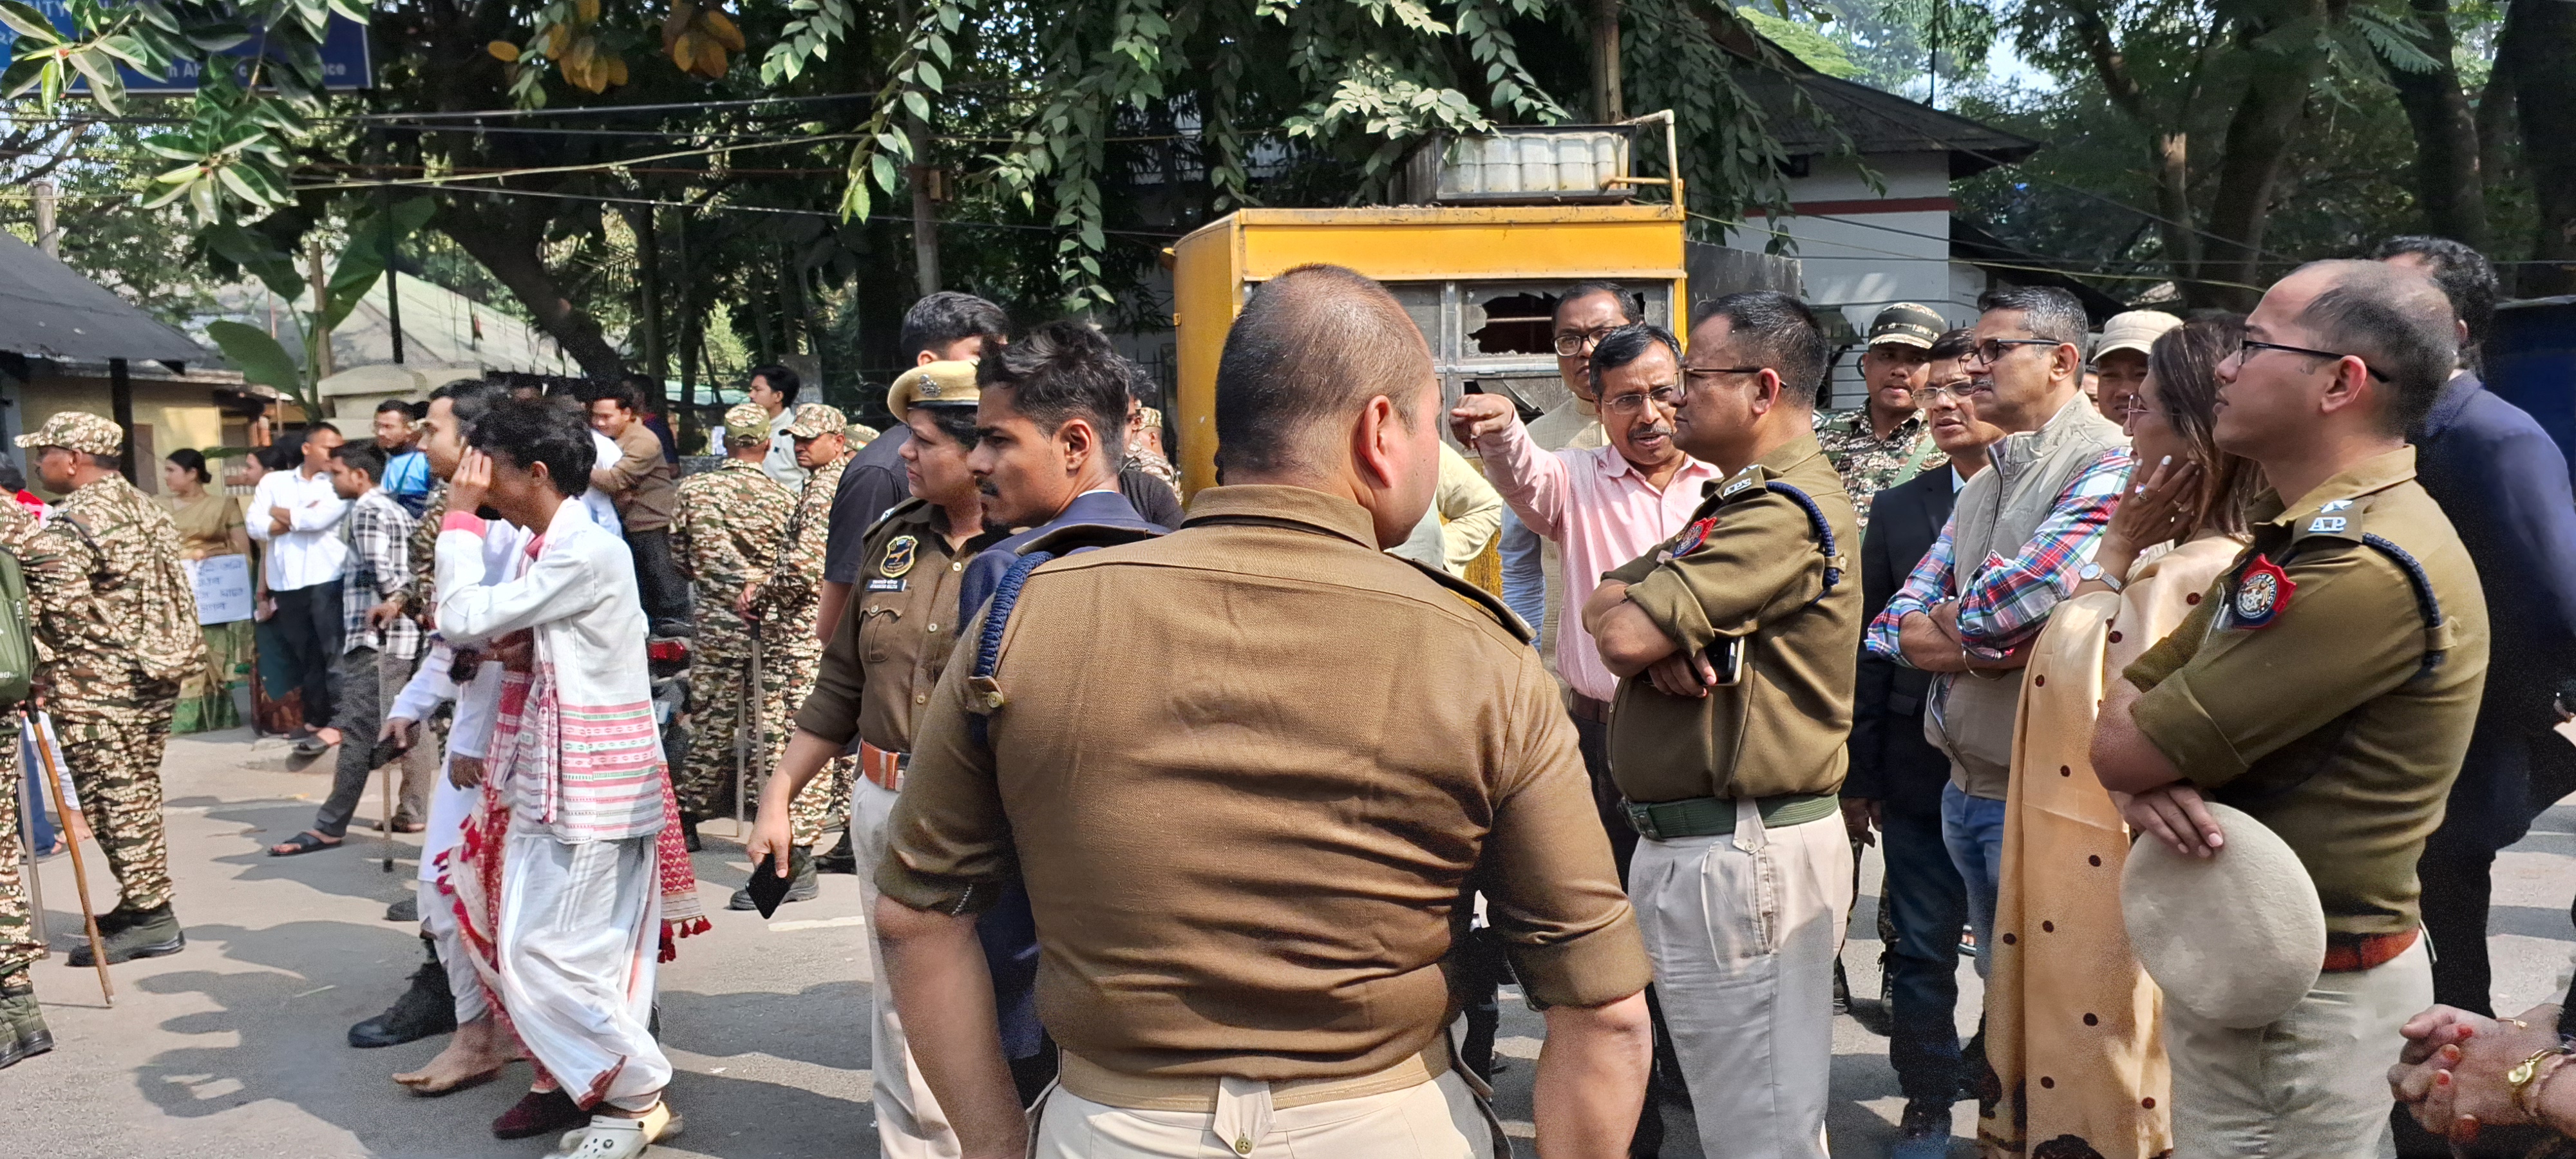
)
(1602, 506)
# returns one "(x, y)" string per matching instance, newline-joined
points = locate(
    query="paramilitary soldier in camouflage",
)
(787, 605)
(724, 536)
(1887, 441)
(116, 629)
(22, 1025)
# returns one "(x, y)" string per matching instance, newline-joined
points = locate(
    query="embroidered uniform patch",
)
(2261, 593)
(1694, 536)
(898, 557)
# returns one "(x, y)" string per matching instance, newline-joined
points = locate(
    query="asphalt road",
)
(235, 1047)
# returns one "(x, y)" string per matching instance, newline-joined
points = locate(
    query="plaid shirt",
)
(377, 530)
(2008, 600)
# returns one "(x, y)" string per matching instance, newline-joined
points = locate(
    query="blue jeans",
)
(1973, 828)
(1927, 904)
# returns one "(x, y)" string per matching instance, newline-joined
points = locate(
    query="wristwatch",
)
(2093, 571)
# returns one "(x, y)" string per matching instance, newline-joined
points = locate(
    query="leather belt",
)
(1585, 708)
(1137, 1092)
(2346, 953)
(1708, 816)
(882, 768)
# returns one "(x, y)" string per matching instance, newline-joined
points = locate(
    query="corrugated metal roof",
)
(50, 310)
(1877, 122)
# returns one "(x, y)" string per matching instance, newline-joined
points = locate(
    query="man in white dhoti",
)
(570, 926)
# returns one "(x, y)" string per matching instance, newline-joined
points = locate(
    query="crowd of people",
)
(2158, 665)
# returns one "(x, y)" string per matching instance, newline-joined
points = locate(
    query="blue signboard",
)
(346, 62)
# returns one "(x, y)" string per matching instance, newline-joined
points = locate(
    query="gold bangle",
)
(2519, 1080)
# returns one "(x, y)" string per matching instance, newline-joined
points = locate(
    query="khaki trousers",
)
(2311, 1085)
(1434, 1120)
(910, 1124)
(1742, 928)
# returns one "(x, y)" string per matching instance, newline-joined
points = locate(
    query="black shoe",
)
(427, 1008)
(22, 1027)
(689, 831)
(1924, 1132)
(404, 910)
(1842, 989)
(841, 859)
(1873, 1016)
(802, 885)
(151, 933)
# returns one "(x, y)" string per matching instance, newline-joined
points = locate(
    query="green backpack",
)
(17, 636)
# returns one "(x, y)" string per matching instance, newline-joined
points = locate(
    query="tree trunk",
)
(2539, 39)
(648, 293)
(2497, 141)
(495, 236)
(1608, 105)
(2168, 147)
(2447, 184)
(2259, 137)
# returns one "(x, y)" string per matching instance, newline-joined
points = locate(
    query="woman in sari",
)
(2072, 1034)
(210, 525)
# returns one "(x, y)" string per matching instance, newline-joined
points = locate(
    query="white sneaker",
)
(610, 1137)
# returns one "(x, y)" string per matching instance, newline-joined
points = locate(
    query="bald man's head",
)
(2396, 318)
(1310, 350)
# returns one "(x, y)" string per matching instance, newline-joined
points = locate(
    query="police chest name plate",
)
(884, 584)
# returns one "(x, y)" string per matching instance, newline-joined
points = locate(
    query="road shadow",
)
(826, 1024)
(356, 869)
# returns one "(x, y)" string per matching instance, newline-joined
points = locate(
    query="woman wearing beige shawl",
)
(2078, 1063)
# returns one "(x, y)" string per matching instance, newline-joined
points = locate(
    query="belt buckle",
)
(1642, 819)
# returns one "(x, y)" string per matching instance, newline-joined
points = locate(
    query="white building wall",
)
(1861, 249)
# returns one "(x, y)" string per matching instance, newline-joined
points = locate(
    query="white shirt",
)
(780, 463)
(603, 510)
(309, 552)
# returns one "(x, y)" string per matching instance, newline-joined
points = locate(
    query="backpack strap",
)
(1824, 533)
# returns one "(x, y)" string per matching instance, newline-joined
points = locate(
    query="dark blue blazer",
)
(1009, 931)
(1890, 760)
(2504, 484)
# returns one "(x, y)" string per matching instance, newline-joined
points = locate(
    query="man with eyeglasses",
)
(2328, 686)
(1885, 442)
(1533, 567)
(1733, 641)
(2019, 540)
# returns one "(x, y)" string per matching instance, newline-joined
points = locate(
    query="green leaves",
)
(257, 356)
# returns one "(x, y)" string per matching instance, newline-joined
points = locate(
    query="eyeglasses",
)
(1690, 372)
(1630, 403)
(1572, 342)
(2245, 344)
(1991, 350)
(1963, 391)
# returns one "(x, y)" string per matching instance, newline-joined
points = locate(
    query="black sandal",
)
(305, 842)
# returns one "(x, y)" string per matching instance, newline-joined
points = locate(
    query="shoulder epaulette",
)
(907, 504)
(1484, 601)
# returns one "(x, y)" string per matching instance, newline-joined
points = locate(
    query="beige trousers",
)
(910, 1124)
(2312, 1085)
(1434, 1120)
(1742, 928)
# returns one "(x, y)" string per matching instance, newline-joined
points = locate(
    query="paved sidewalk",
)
(236, 1047)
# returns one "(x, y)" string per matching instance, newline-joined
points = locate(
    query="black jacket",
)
(1890, 760)
(2504, 484)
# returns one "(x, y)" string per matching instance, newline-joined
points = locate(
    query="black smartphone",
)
(767, 888)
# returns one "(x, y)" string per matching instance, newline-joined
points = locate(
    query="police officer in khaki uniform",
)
(2327, 685)
(1736, 642)
(1245, 837)
(884, 660)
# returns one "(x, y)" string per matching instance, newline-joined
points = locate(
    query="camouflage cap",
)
(79, 431)
(813, 419)
(860, 434)
(745, 422)
(931, 383)
(1907, 324)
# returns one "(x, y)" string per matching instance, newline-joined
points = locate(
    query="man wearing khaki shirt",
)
(1246, 872)
(1735, 643)
(646, 489)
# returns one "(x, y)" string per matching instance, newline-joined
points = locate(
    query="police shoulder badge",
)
(2261, 593)
(1693, 536)
(898, 557)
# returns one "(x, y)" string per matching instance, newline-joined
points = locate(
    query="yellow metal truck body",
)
(1477, 280)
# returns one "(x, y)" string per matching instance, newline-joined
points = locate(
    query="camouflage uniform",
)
(790, 603)
(116, 628)
(18, 945)
(1870, 464)
(724, 535)
(422, 595)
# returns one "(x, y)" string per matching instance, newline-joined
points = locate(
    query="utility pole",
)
(648, 286)
(49, 237)
(392, 245)
(1609, 105)
(319, 341)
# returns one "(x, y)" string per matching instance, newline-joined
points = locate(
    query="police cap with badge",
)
(933, 384)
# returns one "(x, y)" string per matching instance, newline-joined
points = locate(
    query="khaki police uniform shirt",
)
(2308, 707)
(1247, 771)
(1748, 565)
(898, 633)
